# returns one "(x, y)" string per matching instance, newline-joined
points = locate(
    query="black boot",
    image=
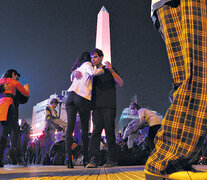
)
(1, 154)
(69, 163)
(85, 161)
(1, 163)
(1, 158)
(93, 163)
(22, 161)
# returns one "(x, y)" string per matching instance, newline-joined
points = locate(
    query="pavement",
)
(40, 172)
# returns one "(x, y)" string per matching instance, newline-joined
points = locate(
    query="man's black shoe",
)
(93, 163)
(1, 164)
(110, 164)
(23, 164)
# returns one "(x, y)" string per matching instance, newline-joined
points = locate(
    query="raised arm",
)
(117, 78)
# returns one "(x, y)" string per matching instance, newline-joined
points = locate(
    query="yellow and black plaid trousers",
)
(183, 25)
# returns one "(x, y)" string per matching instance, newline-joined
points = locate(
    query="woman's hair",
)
(98, 51)
(85, 57)
(54, 101)
(8, 73)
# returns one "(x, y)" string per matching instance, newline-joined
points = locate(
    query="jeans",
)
(104, 118)
(74, 104)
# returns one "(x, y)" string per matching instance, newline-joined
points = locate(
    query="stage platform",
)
(34, 172)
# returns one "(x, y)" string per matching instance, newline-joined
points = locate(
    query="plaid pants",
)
(183, 24)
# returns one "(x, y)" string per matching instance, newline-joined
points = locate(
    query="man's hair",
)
(98, 51)
(135, 105)
(54, 101)
(8, 73)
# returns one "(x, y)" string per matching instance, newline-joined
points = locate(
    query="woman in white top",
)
(79, 100)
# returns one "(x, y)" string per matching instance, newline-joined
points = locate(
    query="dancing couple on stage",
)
(93, 88)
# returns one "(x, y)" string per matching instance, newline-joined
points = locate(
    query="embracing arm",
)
(75, 74)
(23, 90)
(20, 98)
(93, 71)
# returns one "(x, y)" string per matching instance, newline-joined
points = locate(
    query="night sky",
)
(42, 38)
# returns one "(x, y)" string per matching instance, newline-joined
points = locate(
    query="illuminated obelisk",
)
(103, 34)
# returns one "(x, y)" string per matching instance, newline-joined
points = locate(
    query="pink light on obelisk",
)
(103, 34)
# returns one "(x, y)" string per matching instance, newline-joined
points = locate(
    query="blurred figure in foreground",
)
(182, 25)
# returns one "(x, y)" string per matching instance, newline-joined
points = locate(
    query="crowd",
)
(34, 149)
(133, 146)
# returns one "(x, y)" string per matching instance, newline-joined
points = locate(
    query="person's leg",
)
(94, 146)
(17, 148)
(185, 123)
(109, 125)
(84, 107)
(50, 145)
(5, 128)
(42, 149)
(84, 116)
(152, 133)
(71, 120)
(84, 111)
(46, 148)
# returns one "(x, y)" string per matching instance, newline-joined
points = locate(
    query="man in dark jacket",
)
(104, 109)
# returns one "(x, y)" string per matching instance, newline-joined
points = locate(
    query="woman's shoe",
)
(69, 162)
(85, 161)
(1, 164)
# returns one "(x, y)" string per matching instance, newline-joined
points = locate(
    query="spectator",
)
(53, 122)
(25, 138)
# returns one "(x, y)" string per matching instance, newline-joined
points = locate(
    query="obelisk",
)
(103, 41)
